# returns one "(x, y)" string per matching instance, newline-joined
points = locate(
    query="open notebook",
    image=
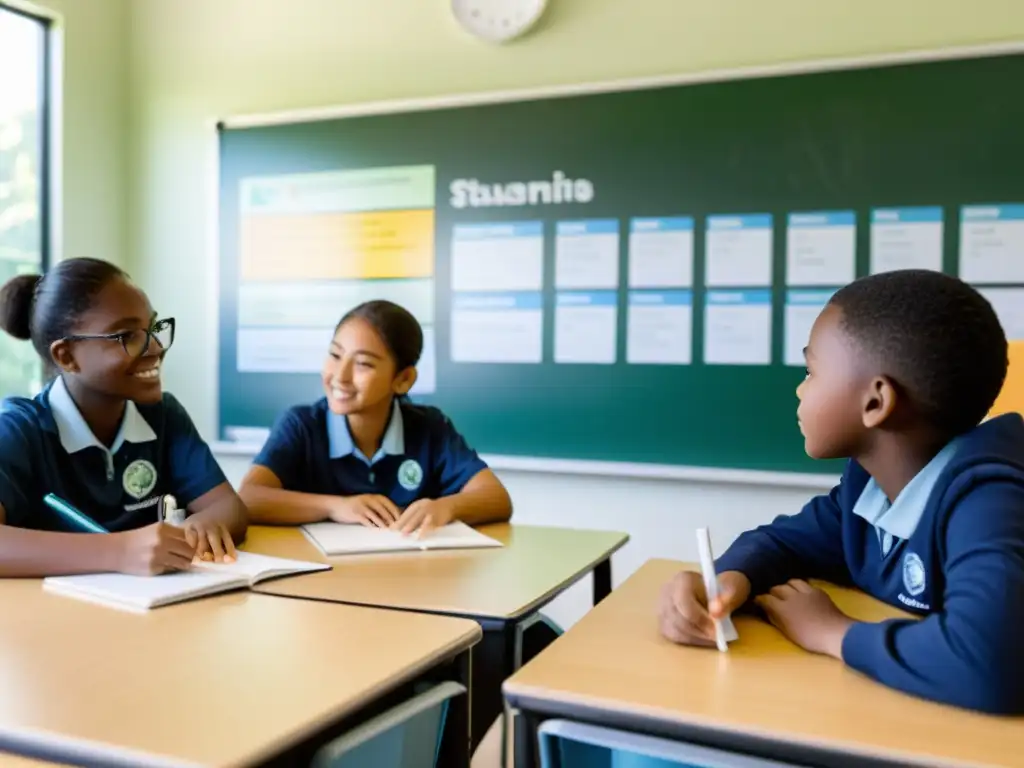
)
(354, 539)
(140, 593)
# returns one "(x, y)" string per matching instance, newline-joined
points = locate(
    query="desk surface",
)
(216, 682)
(14, 761)
(535, 564)
(615, 660)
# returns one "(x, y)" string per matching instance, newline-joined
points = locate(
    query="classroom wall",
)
(193, 61)
(93, 219)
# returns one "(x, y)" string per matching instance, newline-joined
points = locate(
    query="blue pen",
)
(79, 520)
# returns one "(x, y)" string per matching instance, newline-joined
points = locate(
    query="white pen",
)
(169, 511)
(707, 567)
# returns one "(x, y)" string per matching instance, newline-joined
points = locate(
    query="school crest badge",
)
(139, 478)
(913, 574)
(410, 475)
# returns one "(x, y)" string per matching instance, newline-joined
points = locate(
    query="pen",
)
(707, 566)
(168, 512)
(81, 521)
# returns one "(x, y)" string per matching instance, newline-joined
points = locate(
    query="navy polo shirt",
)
(46, 447)
(421, 456)
(949, 548)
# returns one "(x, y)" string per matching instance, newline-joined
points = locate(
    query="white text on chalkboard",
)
(554, 191)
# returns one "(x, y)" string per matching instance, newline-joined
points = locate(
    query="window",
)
(24, 187)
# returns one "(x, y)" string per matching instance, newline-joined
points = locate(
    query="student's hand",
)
(424, 515)
(369, 509)
(807, 616)
(683, 614)
(212, 541)
(155, 549)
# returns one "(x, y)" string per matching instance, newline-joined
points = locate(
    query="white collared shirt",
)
(340, 440)
(75, 434)
(897, 520)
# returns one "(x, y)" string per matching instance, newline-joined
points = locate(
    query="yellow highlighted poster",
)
(1011, 399)
(313, 245)
(338, 246)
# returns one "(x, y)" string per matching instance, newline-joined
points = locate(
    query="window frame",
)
(49, 134)
(44, 124)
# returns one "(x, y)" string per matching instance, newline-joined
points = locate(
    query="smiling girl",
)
(363, 453)
(102, 436)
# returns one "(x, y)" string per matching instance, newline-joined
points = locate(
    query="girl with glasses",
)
(102, 442)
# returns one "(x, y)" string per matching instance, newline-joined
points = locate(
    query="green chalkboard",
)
(930, 136)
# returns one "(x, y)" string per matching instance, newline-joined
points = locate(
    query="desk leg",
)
(602, 580)
(524, 739)
(455, 742)
(494, 660)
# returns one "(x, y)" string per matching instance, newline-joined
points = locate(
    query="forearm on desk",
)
(29, 553)
(482, 500)
(276, 506)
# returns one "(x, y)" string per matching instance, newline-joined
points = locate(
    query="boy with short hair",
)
(902, 367)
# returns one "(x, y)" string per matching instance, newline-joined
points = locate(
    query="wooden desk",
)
(765, 696)
(14, 761)
(534, 566)
(233, 680)
(502, 589)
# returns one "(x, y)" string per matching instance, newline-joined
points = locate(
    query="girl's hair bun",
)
(16, 298)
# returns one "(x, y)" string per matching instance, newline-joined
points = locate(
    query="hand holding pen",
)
(688, 617)
(148, 551)
(155, 549)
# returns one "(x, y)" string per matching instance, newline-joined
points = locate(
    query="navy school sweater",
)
(962, 569)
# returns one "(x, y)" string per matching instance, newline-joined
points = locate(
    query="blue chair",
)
(565, 744)
(406, 736)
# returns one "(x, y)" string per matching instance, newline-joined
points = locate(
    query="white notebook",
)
(141, 593)
(354, 539)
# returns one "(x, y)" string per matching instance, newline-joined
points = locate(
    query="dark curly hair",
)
(935, 336)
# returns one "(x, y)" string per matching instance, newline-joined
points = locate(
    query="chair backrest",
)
(406, 736)
(565, 744)
(1011, 398)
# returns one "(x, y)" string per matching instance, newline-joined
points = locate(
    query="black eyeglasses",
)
(135, 343)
